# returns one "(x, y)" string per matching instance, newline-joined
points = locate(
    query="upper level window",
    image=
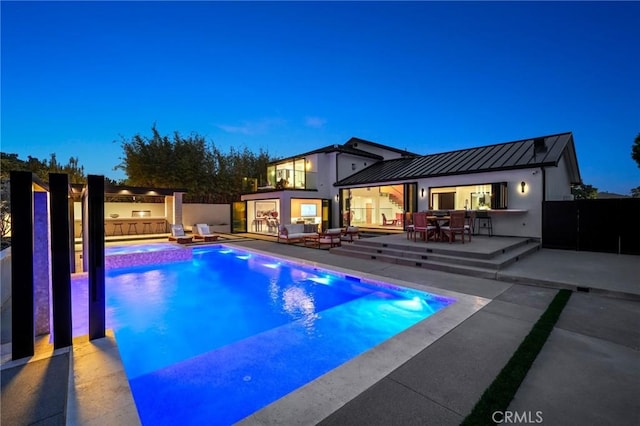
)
(288, 174)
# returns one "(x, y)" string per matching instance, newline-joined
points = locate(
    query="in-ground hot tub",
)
(145, 254)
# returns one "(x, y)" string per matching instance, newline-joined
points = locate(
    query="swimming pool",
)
(214, 339)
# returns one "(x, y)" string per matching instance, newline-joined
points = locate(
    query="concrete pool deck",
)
(588, 372)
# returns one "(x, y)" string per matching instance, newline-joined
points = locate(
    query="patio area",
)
(596, 338)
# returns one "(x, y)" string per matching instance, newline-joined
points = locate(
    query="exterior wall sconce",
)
(422, 193)
(337, 198)
(308, 165)
(522, 185)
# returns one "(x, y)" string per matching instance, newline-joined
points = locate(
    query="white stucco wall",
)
(324, 168)
(385, 153)
(345, 161)
(124, 209)
(558, 182)
(211, 214)
(524, 214)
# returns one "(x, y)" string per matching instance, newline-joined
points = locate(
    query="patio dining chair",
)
(387, 222)
(422, 227)
(455, 226)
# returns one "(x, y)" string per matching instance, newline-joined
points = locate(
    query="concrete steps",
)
(441, 256)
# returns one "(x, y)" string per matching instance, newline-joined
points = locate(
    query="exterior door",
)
(326, 214)
(410, 202)
(239, 216)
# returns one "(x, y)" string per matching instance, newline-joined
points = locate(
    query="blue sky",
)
(292, 77)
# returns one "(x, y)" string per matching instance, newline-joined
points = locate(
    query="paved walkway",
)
(587, 373)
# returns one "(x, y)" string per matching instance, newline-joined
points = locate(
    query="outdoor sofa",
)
(296, 232)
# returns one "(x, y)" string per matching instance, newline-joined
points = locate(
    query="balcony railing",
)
(298, 180)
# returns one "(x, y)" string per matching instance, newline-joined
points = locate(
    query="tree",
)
(191, 163)
(5, 213)
(635, 192)
(584, 192)
(635, 150)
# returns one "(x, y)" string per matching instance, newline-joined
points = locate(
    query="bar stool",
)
(483, 217)
(117, 226)
(146, 227)
(161, 227)
(133, 226)
(470, 222)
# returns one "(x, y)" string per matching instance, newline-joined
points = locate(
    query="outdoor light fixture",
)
(522, 185)
(422, 193)
(337, 198)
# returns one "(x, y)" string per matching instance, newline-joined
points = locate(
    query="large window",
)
(375, 206)
(472, 197)
(288, 175)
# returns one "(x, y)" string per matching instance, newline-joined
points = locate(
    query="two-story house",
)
(372, 186)
(302, 188)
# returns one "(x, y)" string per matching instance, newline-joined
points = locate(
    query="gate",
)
(607, 225)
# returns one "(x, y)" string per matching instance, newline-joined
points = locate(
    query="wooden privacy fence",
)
(610, 225)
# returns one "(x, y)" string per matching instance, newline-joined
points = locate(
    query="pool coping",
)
(319, 398)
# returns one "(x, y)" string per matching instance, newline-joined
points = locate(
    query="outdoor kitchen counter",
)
(157, 225)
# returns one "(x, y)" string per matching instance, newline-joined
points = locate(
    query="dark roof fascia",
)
(328, 149)
(415, 177)
(282, 191)
(570, 148)
(403, 152)
(140, 190)
(77, 188)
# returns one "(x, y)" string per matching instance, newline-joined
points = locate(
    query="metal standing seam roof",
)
(504, 156)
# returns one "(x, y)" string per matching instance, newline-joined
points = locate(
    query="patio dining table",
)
(438, 221)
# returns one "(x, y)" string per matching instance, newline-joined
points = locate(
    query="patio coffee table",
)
(312, 241)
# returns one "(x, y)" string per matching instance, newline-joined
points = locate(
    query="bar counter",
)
(129, 226)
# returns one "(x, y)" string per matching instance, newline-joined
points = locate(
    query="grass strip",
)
(499, 394)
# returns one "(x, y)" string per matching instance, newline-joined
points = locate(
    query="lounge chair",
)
(330, 237)
(178, 235)
(350, 233)
(202, 232)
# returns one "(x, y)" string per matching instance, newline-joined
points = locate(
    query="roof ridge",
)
(499, 143)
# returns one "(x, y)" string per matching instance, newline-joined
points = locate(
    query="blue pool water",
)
(215, 339)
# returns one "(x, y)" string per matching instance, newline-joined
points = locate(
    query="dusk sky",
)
(291, 77)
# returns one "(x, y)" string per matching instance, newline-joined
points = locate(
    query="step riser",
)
(419, 256)
(435, 248)
(409, 256)
(425, 264)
